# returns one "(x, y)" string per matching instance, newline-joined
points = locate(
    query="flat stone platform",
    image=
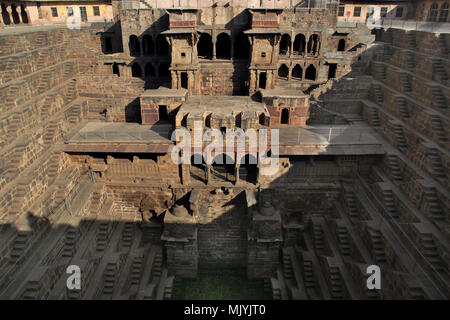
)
(120, 137)
(357, 139)
(222, 105)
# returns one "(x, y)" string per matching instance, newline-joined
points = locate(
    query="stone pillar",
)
(174, 80)
(264, 241)
(236, 174)
(25, 10)
(291, 53)
(258, 169)
(180, 241)
(214, 40)
(185, 174)
(269, 84)
(9, 11)
(208, 173)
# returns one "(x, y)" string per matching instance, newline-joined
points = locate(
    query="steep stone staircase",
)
(394, 167)
(374, 117)
(440, 69)
(390, 203)
(439, 98)
(351, 204)
(406, 81)
(410, 60)
(402, 106)
(431, 252)
(399, 136)
(434, 206)
(343, 240)
(436, 163)
(377, 246)
(438, 129)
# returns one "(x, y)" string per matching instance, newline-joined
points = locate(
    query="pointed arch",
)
(283, 71)
(147, 44)
(285, 44)
(299, 44)
(136, 70)
(310, 73)
(205, 46)
(313, 44)
(297, 72)
(443, 13)
(134, 46)
(284, 116)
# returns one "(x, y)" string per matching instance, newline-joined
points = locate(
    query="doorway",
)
(262, 80)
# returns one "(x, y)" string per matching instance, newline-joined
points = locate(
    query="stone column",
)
(25, 10)
(291, 53)
(264, 241)
(208, 173)
(180, 241)
(258, 169)
(174, 80)
(185, 174)
(214, 40)
(9, 11)
(269, 84)
(236, 174)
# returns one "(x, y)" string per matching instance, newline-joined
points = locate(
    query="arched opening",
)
(285, 44)
(262, 119)
(162, 45)
(134, 46)
(150, 70)
(433, 12)
(341, 45)
(297, 72)
(299, 44)
(5, 15)
(223, 46)
(262, 80)
(443, 13)
(313, 44)
(184, 80)
(163, 72)
(283, 71)
(222, 167)
(310, 73)
(15, 14)
(147, 44)
(136, 70)
(23, 14)
(208, 120)
(197, 168)
(248, 168)
(205, 46)
(285, 116)
(241, 47)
